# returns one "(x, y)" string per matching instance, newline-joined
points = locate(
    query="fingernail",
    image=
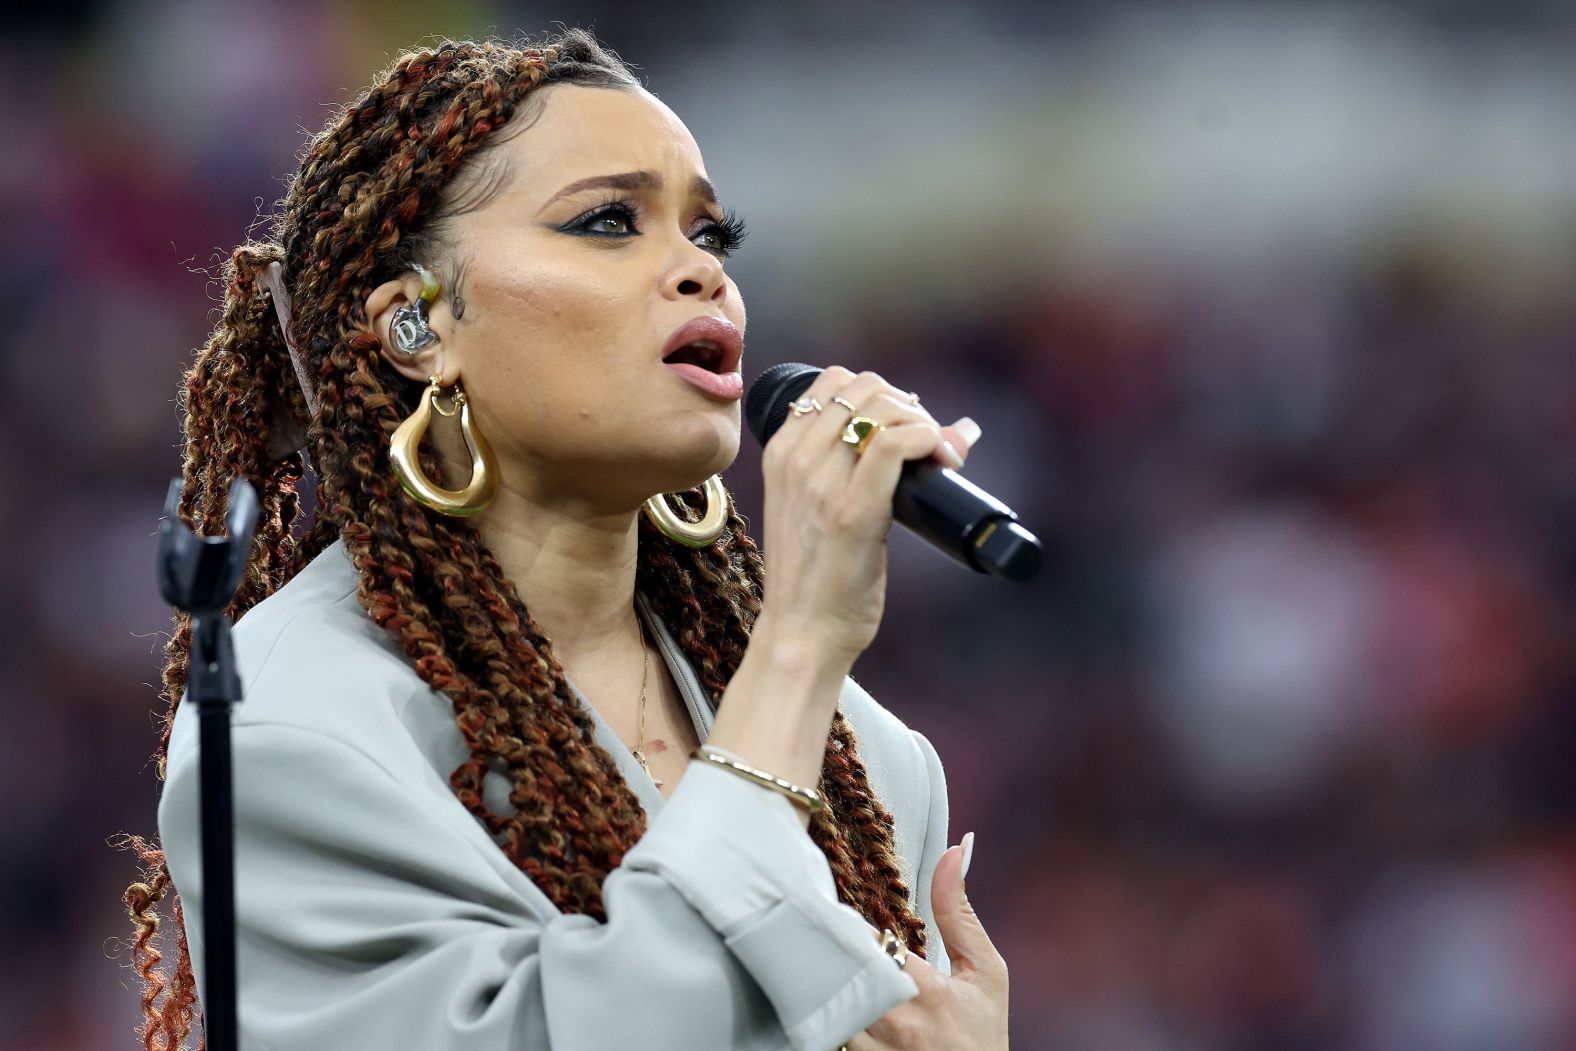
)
(968, 854)
(969, 429)
(950, 455)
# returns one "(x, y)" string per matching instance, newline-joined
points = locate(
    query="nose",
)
(698, 274)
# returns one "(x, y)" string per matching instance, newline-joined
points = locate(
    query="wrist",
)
(796, 646)
(780, 704)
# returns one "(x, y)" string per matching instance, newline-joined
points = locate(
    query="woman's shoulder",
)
(314, 627)
(310, 657)
(887, 746)
(900, 763)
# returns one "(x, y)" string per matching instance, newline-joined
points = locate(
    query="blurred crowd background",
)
(1268, 312)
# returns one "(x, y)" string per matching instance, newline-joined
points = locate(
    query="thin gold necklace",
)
(640, 734)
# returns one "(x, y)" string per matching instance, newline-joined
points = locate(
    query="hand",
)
(966, 1010)
(828, 509)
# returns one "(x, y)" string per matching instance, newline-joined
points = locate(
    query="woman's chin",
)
(703, 452)
(689, 473)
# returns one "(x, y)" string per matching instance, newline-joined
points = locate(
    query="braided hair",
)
(372, 194)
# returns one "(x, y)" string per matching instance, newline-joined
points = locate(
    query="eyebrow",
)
(700, 186)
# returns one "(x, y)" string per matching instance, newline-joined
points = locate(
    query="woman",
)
(469, 807)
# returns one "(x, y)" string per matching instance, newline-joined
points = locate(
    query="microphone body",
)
(942, 507)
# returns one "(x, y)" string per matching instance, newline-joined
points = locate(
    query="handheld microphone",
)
(945, 509)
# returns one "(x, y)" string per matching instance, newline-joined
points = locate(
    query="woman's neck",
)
(575, 571)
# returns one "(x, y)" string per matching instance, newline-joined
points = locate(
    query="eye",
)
(607, 220)
(615, 220)
(726, 234)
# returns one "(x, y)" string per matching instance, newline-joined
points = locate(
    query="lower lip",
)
(727, 385)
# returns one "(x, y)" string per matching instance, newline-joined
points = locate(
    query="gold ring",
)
(860, 431)
(845, 403)
(913, 398)
(893, 947)
(805, 405)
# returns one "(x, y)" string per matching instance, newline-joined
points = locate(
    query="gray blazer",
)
(375, 911)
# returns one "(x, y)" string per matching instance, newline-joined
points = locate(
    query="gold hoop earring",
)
(692, 534)
(404, 452)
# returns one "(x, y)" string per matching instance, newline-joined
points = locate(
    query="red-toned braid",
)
(373, 194)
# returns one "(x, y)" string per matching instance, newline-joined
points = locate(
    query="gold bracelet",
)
(808, 798)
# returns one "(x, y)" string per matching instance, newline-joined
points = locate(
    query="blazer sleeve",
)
(366, 919)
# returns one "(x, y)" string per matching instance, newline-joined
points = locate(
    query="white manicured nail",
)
(968, 854)
(969, 429)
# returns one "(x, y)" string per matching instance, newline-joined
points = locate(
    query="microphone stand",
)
(198, 575)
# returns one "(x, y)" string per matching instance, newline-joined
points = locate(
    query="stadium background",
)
(1268, 313)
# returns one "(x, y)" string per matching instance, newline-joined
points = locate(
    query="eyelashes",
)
(729, 231)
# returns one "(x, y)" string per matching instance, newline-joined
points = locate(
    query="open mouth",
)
(702, 353)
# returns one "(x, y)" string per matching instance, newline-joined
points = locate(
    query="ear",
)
(430, 360)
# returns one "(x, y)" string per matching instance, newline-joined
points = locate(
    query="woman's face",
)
(570, 297)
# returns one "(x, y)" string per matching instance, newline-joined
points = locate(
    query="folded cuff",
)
(737, 853)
